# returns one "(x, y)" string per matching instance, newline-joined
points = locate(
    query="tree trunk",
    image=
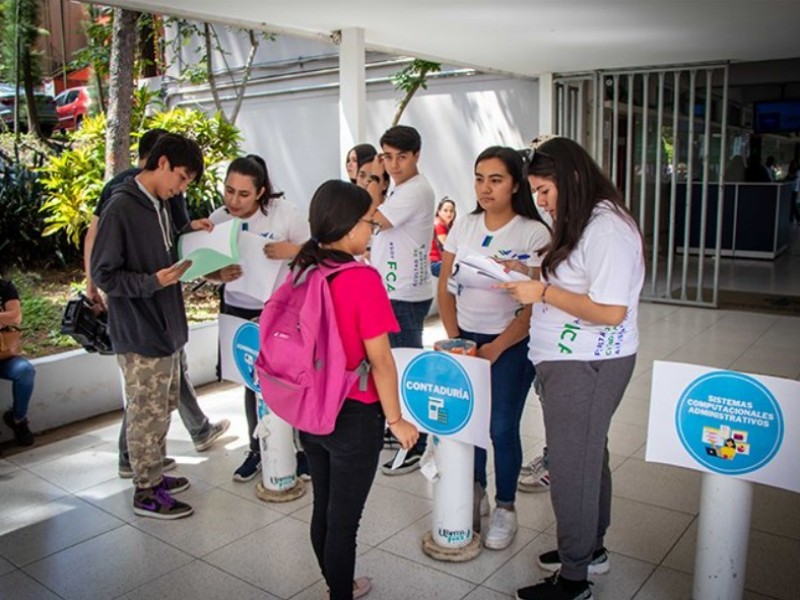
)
(30, 101)
(147, 47)
(120, 93)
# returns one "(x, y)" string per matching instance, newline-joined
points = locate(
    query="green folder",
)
(210, 251)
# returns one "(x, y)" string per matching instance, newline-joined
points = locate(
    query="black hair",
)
(402, 137)
(335, 209)
(444, 201)
(148, 140)
(255, 167)
(581, 185)
(521, 200)
(180, 152)
(364, 153)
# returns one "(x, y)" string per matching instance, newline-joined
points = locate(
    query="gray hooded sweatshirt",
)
(134, 241)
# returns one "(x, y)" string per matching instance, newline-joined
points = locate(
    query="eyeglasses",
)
(374, 225)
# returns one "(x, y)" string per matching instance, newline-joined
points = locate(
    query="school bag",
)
(301, 362)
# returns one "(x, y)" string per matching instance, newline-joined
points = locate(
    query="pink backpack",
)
(301, 361)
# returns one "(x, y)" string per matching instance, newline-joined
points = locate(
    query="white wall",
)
(298, 133)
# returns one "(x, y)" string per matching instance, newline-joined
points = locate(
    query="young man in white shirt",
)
(400, 249)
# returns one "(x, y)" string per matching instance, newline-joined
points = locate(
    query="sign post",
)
(737, 429)
(448, 396)
(239, 344)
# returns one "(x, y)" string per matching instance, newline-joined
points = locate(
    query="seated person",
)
(17, 369)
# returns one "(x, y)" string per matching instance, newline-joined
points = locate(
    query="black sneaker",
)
(550, 561)
(175, 485)
(22, 433)
(389, 441)
(556, 588)
(157, 503)
(410, 463)
(250, 467)
(303, 471)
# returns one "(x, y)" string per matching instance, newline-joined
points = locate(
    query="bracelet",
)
(395, 422)
(544, 291)
(375, 178)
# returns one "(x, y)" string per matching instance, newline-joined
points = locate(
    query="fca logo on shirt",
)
(436, 410)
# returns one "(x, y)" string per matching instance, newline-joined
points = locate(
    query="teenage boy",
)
(135, 262)
(400, 249)
(203, 432)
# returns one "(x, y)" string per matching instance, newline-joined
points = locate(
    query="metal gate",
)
(660, 135)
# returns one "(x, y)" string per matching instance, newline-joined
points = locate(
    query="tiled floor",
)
(67, 530)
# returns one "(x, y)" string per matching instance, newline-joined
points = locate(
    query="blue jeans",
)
(20, 371)
(411, 318)
(512, 376)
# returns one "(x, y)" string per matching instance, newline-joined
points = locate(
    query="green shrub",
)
(73, 181)
(21, 223)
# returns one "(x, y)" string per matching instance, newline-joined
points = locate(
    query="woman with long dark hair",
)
(343, 463)
(357, 156)
(250, 197)
(505, 225)
(584, 339)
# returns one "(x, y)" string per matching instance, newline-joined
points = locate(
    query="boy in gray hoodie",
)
(134, 261)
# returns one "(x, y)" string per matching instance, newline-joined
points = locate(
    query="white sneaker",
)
(534, 477)
(502, 529)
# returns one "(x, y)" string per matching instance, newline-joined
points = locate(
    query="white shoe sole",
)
(499, 544)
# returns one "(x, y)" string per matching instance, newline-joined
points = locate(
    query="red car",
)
(72, 105)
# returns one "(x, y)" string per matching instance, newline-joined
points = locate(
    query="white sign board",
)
(238, 345)
(448, 395)
(724, 422)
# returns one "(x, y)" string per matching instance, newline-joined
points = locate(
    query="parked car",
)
(72, 105)
(45, 109)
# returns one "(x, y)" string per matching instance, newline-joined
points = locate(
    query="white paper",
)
(476, 270)
(259, 273)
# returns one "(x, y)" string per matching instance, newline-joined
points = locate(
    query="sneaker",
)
(215, 432)
(534, 477)
(126, 471)
(157, 503)
(556, 588)
(502, 529)
(303, 471)
(389, 441)
(250, 467)
(550, 561)
(410, 463)
(175, 485)
(22, 433)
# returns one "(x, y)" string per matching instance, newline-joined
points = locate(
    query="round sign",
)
(245, 352)
(729, 422)
(437, 391)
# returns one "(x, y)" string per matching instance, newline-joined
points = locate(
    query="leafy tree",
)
(74, 179)
(20, 61)
(411, 78)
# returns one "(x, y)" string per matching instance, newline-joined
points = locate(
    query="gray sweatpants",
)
(579, 398)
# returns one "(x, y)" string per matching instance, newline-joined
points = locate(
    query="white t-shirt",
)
(283, 222)
(480, 310)
(607, 264)
(401, 253)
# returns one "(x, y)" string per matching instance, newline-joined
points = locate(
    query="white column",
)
(352, 92)
(546, 123)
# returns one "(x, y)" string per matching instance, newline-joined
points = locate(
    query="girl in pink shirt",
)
(343, 463)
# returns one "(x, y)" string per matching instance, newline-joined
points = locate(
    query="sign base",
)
(463, 554)
(287, 495)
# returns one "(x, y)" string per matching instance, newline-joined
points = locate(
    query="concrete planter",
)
(76, 385)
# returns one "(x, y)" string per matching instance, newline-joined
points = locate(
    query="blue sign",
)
(245, 351)
(729, 422)
(438, 393)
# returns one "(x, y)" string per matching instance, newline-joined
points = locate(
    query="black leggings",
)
(250, 409)
(343, 466)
